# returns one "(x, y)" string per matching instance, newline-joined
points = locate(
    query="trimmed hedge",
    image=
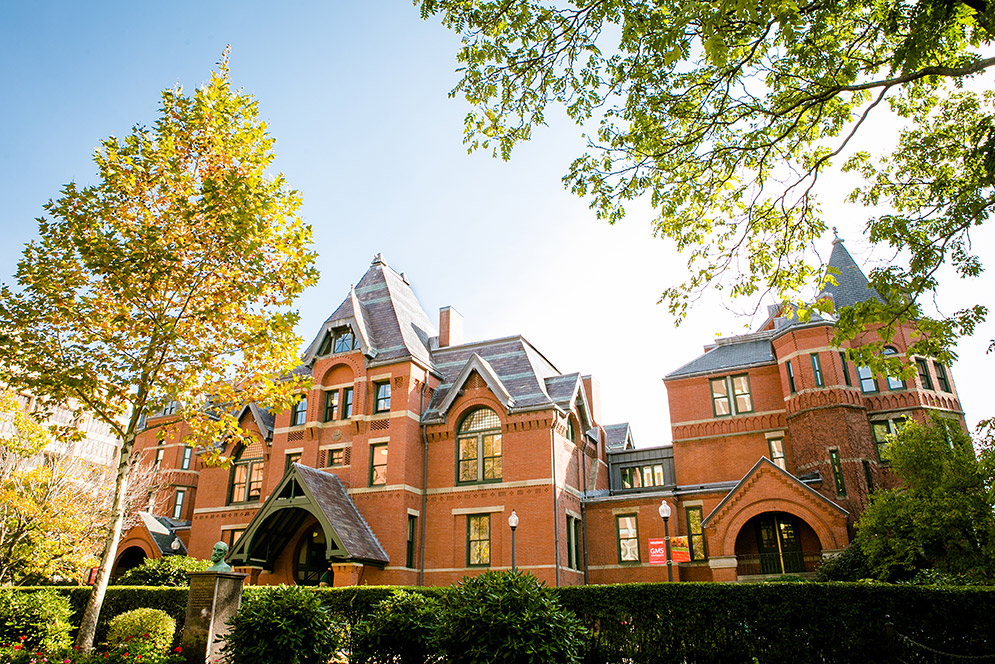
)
(773, 623)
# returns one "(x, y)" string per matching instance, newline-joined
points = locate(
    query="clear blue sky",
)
(356, 95)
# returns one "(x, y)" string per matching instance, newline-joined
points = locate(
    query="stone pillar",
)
(346, 574)
(723, 569)
(213, 599)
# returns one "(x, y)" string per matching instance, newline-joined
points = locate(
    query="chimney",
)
(592, 388)
(450, 327)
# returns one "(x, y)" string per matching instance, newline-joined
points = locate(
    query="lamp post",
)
(665, 515)
(513, 523)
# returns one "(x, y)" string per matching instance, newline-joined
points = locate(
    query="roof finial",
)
(378, 260)
(836, 238)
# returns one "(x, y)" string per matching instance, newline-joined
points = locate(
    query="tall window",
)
(791, 376)
(941, 376)
(867, 476)
(409, 559)
(299, 414)
(181, 495)
(247, 476)
(187, 454)
(346, 403)
(160, 451)
(834, 461)
(573, 542)
(628, 538)
(924, 379)
(331, 405)
(378, 464)
(846, 369)
(883, 431)
(731, 393)
(478, 540)
(776, 446)
(894, 383)
(868, 383)
(479, 447)
(817, 369)
(696, 535)
(381, 403)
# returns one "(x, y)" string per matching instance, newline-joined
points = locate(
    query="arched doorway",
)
(776, 543)
(130, 558)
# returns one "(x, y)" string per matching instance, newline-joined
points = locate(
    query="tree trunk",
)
(88, 624)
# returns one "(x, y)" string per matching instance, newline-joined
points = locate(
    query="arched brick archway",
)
(131, 555)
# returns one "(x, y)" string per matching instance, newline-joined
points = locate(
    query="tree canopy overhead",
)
(726, 113)
(168, 280)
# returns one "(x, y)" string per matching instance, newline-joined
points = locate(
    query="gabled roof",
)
(618, 437)
(385, 315)
(263, 418)
(301, 493)
(519, 368)
(851, 285)
(764, 461)
(742, 352)
(567, 391)
(162, 533)
(487, 373)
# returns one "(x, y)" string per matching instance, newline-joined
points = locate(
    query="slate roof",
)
(162, 532)
(331, 498)
(616, 436)
(732, 353)
(852, 286)
(388, 318)
(521, 368)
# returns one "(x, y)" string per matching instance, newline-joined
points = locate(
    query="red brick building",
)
(404, 462)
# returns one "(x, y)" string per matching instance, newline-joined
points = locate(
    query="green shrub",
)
(506, 617)
(849, 565)
(145, 632)
(401, 630)
(42, 617)
(284, 625)
(166, 571)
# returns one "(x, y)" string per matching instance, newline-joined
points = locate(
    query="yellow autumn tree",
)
(169, 279)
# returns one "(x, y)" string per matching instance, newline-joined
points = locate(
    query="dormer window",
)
(338, 340)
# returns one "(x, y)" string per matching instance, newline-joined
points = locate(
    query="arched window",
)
(893, 382)
(479, 447)
(247, 475)
(571, 432)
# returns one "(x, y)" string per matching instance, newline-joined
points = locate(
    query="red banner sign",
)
(679, 552)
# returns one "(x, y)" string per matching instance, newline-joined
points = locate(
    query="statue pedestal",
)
(214, 598)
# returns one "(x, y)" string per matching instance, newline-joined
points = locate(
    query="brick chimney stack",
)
(450, 327)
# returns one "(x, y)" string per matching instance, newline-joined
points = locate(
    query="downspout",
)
(424, 483)
(583, 501)
(556, 507)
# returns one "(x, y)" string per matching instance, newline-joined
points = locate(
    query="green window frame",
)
(846, 370)
(336, 457)
(791, 376)
(892, 382)
(378, 464)
(923, 368)
(289, 460)
(867, 476)
(641, 477)
(181, 495)
(776, 447)
(338, 340)
(298, 415)
(834, 461)
(868, 383)
(160, 452)
(573, 542)
(331, 405)
(381, 397)
(817, 370)
(346, 403)
(941, 376)
(478, 540)
(731, 395)
(246, 481)
(882, 431)
(696, 533)
(187, 456)
(627, 538)
(479, 448)
(409, 551)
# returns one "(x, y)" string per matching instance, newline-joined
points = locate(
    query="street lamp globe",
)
(664, 509)
(513, 520)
